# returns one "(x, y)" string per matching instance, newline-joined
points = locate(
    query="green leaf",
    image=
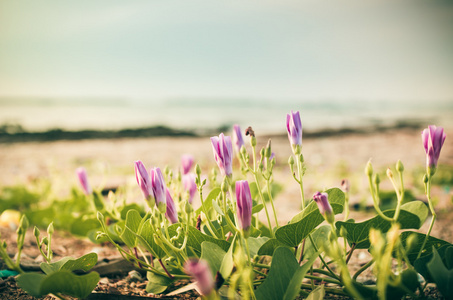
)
(213, 254)
(284, 278)
(441, 275)
(228, 263)
(269, 247)
(31, 283)
(82, 225)
(257, 208)
(157, 284)
(255, 244)
(84, 263)
(146, 238)
(128, 207)
(98, 201)
(133, 220)
(293, 289)
(304, 223)
(217, 207)
(64, 282)
(412, 215)
(446, 254)
(317, 294)
(196, 238)
(406, 281)
(431, 242)
(320, 237)
(208, 201)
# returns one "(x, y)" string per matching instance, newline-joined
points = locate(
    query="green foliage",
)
(415, 247)
(84, 263)
(317, 294)
(59, 279)
(61, 282)
(446, 255)
(17, 197)
(412, 215)
(440, 273)
(213, 254)
(284, 278)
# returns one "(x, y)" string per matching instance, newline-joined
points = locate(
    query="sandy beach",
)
(328, 160)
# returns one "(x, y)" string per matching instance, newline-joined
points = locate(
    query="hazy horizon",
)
(370, 51)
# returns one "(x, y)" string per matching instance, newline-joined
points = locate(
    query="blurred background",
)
(199, 65)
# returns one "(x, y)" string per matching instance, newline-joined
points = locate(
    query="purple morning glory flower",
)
(294, 128)
(143, 180)
(186, 163)
(189, 184)
(433, 139)
(324, 206)
(223, 153)
(238, 140)
(159, 188)
(244, 205)
(83, 180)
(171, 213)
(201, 273)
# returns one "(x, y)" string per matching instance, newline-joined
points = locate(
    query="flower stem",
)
(431, 208)
(301, 184)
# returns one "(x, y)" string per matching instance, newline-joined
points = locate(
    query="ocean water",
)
(265, 116)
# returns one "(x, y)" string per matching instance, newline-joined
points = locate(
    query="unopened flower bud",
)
(244, 205)
(190, 185)
(159, 188)
(291, 160)
(324, 207)
(201, 273)
(143, 180)
(294, 129)
(389, 173)
(83, 180)
(400, 166)
(36, 232)
(369, 169)
(268, 149)
(50, 229)
(253, 141)
(301, 158)
(377, 179)
(187, 207)
(237, 138)
(425, 179)
(198, 170)
(171, 212)
(100, 217)
(224, 185)
(186, 163)
(24, 222)
(433, 139)
(243, 150)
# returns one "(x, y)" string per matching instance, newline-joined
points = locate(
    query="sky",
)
(305, 49)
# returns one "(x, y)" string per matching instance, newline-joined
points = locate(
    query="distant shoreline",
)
(10, 133)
